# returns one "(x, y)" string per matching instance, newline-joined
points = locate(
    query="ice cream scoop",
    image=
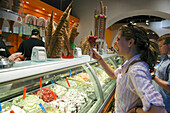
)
(31, 103)
(15, 109)
(51, 110)
(45, 94)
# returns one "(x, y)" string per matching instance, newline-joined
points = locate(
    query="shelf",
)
(9, 46)
(10, 15)
(29, 68)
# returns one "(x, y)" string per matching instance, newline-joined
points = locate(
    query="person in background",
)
(161, 79)
(134, 90)
(27, 45)
(5, 53)
(3, 49)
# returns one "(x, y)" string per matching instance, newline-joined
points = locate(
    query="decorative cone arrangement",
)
(53, 40)
(85, 46)
(99, 30)
(100, 21)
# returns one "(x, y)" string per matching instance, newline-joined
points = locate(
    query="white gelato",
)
(59, 90)
(72, 102)
(15, 109)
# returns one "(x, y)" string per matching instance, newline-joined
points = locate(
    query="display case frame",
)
(35, 69)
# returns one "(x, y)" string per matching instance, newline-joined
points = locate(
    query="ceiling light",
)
(43, 8)
(131, 22)
(27, 2)
(49, 14)
(72, 20)
(147, 21)
(37, 10)
(55, 13)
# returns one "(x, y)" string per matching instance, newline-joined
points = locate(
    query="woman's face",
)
(121, 45)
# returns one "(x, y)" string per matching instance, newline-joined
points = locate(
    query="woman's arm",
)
(105, 66)
(153, 109)
(152, 101)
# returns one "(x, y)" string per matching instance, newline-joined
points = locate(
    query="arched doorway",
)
(113, 26)
(136, 13)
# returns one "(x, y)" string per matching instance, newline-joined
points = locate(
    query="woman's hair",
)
(148, 48)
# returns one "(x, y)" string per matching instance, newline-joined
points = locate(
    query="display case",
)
(79, 85)
(107, 84)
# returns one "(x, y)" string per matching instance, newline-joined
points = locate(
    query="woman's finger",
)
(17, 59)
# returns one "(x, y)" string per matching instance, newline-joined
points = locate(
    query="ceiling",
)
(62, 5)
(59, 4)
(44, 10)
(141, 19)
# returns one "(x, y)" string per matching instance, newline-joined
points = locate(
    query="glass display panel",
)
(106, 82)
(74, 89)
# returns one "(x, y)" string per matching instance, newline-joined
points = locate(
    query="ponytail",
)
(150, 54)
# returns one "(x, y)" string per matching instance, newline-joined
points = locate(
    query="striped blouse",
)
(135, 87)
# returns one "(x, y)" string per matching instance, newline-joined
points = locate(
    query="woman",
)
(134, 90)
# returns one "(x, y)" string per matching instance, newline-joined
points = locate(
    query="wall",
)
(157, 27)
(15, 40)
(114, 30)
(108, 35)
(117, 10)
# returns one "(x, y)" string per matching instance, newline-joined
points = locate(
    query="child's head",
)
(133, 40)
